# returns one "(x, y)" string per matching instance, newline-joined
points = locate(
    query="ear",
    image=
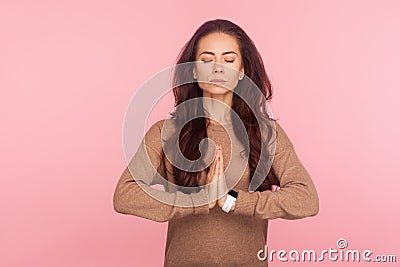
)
(241, 74)
(194, 74)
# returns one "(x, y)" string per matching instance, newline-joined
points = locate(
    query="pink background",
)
(68, 70)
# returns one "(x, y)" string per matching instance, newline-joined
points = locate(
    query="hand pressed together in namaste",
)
(217, 190)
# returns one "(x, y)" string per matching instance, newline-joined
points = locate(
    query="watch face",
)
(233, 193)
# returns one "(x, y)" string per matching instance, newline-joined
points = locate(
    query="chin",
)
(215, 89)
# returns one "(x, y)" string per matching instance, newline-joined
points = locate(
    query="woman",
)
(222, 217)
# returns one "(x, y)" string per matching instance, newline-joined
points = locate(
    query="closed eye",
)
(228, 61)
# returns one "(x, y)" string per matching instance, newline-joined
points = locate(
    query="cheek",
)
(204, 71)
(232, 73)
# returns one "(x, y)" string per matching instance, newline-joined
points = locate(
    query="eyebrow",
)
(213, 54)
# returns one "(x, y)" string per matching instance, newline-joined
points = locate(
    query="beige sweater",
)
(199, 236)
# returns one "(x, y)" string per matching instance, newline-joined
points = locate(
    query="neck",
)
(217, 109)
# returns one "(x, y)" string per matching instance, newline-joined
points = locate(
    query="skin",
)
(218, 56)
(219, 187)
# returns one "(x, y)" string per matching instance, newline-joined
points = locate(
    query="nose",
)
(218, 67)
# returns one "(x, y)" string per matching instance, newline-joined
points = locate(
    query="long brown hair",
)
(194, 131)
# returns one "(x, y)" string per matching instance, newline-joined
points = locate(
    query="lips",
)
(217, 81)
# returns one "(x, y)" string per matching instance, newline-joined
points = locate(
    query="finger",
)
(222, 188)
(212, 168)
(221, 201)
(214, 165)
(217, 162)
(217, 168)
(212, 186)
(222, 161)
(213, 189)
(214, 178)
(212, 205)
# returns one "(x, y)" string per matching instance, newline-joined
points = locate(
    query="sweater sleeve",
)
(297, 197)
(135, 196)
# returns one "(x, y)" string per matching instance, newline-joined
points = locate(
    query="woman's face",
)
(218, 64)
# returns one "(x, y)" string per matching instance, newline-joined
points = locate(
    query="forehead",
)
(218, 43)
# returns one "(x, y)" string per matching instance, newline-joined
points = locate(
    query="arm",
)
(134, 196)
(297, 197)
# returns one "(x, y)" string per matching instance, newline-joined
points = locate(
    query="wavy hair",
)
(195, 130)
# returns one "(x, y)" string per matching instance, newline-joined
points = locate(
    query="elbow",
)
(314, 209)
(313, 205)
(311, 202)
(308, 207)
(117, 207)
(117, 204)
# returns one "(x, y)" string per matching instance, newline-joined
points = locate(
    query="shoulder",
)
(153, 134)
(282, 139)
(155, 128)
